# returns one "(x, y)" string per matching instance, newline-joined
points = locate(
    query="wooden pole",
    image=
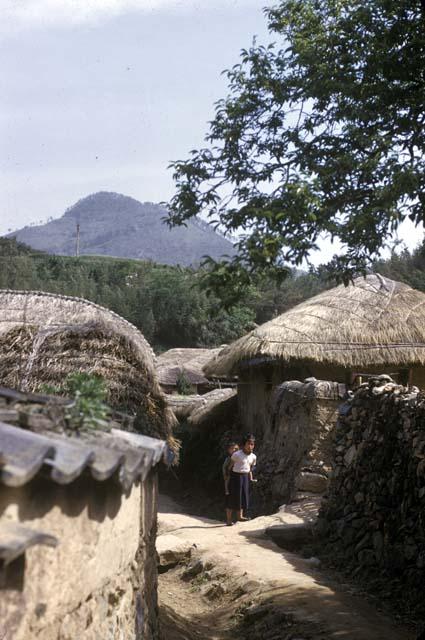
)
(77, 245)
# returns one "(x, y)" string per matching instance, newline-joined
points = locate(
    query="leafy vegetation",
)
(164, 302)
(183, 385)
(87, 395)
(168, 304)
(322, 133)
(405, 267)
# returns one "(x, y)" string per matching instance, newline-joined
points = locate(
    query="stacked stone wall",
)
(373, 519)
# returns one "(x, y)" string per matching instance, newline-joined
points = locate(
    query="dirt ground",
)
(245, 587)
(188, 615)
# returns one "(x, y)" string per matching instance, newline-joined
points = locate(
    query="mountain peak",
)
(104, 200)
(117, 225)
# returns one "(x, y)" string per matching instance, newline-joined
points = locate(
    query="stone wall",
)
(99, 583)
(373, 520)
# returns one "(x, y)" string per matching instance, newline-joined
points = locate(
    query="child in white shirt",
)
(242, 463)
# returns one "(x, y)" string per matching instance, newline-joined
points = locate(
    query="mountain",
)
(112, 224)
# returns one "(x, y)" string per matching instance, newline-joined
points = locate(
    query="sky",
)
(103, 94)
(100, 95)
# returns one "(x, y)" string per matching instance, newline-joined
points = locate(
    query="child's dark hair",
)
(248, 437)
(231, 443)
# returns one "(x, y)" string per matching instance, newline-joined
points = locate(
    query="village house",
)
(374, 325)
(176, 368)
(77, 508)
(181, 377)
(77, 528)
(44, 337)
(342, 335)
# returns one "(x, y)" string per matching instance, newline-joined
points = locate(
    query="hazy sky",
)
(102, 94)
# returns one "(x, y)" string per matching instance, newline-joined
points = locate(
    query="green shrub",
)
(86, 409)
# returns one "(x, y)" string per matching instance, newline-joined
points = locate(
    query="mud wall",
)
(373, 521)
(295, 448)
(100, 581)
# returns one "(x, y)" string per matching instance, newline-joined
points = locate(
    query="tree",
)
(322, 133)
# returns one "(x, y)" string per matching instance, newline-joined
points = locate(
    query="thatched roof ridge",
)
(100, 312)
(217, 405)
(183, 406)
(46, 336)
(187, 361)
(373, 322)
(181, 355)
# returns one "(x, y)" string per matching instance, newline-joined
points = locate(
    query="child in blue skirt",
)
(241, 465)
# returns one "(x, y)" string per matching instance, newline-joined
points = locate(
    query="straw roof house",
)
(187, 363)
(218, 407)
(77, 528)
(374, 323)
(45, 336)
(183, 406)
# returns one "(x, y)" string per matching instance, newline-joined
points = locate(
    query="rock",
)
(171, 551)
(410, 551)
(256, 612)
(291, 536)
(364, 542)
(213, 591)
(350, 455)
(248, 587)
(366, 557)
(349, 536)
(378, 544)
(8, 415)
(314, 562)
(35, 421)
(314, 482)
(420, 562)
(193, 569)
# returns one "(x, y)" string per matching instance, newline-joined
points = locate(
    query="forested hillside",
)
(168, 303)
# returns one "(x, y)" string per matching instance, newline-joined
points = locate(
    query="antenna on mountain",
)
(77, 244)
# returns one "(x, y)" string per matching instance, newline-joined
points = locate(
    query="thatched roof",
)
(44, 336)
(189, 362)
(183, 406)
(373, 322)
(218, 406)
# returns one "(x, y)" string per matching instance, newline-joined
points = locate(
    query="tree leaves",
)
(321, 134)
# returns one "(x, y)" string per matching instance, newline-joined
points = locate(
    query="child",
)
(241, 465)
(231, 448)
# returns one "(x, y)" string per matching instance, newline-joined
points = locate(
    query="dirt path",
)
(270, 588)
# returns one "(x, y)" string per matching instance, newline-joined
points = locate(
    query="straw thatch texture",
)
(44, 337)
(183, 406)
(372, 322)
(172, 364)
(218, 406)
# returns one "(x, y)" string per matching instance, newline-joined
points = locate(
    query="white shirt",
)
(242, 462)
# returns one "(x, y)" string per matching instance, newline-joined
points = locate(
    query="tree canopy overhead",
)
(322, 133)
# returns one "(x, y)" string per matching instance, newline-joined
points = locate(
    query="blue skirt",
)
(239, 491)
